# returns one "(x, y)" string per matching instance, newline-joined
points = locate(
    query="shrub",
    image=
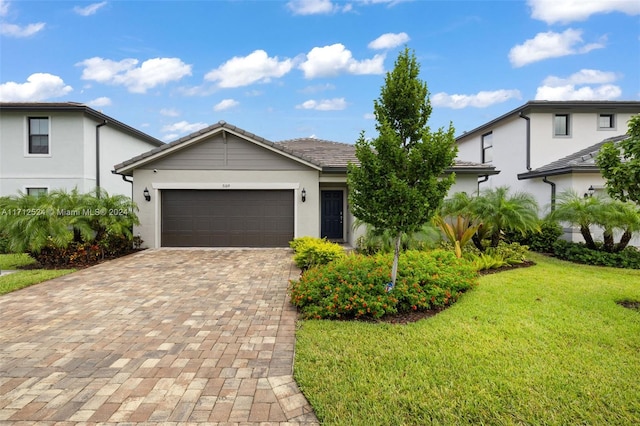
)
(512, 254)
(354, 286)
(310, 251)
(485, 261)
(542, 241)
(4, 243)
(580, 253)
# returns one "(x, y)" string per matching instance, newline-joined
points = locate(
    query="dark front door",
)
(332, 215)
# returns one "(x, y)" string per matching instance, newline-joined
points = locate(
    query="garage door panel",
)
(213, 218)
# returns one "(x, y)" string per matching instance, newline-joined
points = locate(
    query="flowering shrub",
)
(354, 286)
(310, 251)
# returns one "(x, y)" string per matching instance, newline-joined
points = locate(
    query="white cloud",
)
(329, 61)
(369, 116)
(481, 99)
(100, 102)
(90, 9)
(151, 73)
(565, 11)
(243, 71)
(169, 112)
(317, 88)
(335, 104)
(311, 7)
(13, 30)
(181, 127)
(4, 7)
(584, 85)
(389, 41)
(225, 104)
(38, 87)
(551, 45)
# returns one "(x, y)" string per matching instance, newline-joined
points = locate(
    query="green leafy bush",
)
(355, 286)
(577, 252)
(542, 241)
(4, 243)
(310, 251)
(512, 254)
(485, 261)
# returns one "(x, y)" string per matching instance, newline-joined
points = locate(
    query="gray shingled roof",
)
(327, 155)
(580, 161)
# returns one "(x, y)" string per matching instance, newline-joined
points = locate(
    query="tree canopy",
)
(620, 164)
(400, 180)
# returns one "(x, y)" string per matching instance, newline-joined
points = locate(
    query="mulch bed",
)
(630, 304)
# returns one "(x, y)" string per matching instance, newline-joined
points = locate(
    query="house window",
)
(36, 192)
(38, 135)
(561, 125)
(606, 121)
(487, 148)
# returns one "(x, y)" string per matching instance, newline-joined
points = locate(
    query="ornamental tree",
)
(400, 180)
(620, 164)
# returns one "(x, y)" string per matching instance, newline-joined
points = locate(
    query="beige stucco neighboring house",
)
(223, 186)
(64, 145)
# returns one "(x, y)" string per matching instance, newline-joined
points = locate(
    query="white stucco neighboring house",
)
(546, 147)
(48, 146)
(223, 186)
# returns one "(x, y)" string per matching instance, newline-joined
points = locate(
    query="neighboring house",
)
(546, 147)
(223, 186)
(47, 146)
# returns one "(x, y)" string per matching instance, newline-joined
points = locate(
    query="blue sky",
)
(301, 68)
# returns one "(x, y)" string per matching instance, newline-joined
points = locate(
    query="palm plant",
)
(579, 211)
(499, 212)
(31, 223)
(615, 215)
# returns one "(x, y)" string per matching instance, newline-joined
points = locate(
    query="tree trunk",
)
(396, 257)
(495, 239)
(588, 239)
(608, 240)
(624, 241)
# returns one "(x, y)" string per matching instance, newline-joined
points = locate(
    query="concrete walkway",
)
(158, 337)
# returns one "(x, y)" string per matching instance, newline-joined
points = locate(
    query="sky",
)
(312, 68)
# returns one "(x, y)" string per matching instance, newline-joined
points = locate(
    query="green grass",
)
(21, 279)
(15, 261)
(541, 345)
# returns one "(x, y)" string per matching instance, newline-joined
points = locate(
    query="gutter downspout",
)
(124, 178)
(553, 192)
(484, 179)
(104, 123)
(528, 146)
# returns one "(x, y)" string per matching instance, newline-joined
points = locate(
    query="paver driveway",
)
(161, 336)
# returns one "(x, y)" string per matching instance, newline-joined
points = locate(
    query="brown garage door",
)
(229, 218)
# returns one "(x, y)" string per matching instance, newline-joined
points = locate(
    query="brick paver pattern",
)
(158, 337)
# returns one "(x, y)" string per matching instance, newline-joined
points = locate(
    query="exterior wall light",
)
(590, 192)
(304, 195)
(146, 194)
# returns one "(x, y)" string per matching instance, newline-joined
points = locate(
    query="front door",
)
(332, 215)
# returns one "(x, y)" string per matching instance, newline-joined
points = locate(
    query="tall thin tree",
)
(400, 180)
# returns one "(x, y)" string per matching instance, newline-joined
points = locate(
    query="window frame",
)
(567, 125)
(27, 147)
(612, 121)
(28, 188)
(484, 149)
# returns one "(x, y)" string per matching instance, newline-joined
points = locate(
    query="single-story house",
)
(225, 187)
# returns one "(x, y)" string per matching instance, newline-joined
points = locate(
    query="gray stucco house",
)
(46, 146)
(225, 187)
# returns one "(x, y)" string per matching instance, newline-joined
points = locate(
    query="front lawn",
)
(21, 279)
(540, 345)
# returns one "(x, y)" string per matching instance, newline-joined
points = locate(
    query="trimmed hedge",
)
(355, 286)
(311, 251)
(579, 253)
